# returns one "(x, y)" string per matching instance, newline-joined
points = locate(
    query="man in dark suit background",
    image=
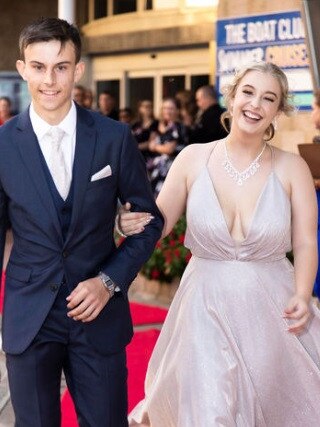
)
(207, 126)
(62, 170)
(107, 105)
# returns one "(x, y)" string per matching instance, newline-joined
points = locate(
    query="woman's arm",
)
(171, 200)
(304, 241)
(168, 147)
(143, 145)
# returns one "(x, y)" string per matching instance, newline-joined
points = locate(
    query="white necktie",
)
(57, 163)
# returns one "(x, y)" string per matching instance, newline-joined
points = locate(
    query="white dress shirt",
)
(68, 143)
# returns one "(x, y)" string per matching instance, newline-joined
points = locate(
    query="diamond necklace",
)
(240, 177)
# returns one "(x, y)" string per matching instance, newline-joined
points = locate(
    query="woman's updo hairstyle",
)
(229, 92)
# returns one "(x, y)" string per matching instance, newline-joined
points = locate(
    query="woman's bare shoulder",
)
(288, 159)
(291, 166)
(197, 154)
(192, 159)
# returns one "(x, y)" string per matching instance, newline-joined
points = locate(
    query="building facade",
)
(149, 49)
(146, 48)
(153, 48)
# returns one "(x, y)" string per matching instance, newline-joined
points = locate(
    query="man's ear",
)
(21, 67)
(79, 71)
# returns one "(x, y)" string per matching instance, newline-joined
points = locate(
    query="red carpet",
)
(138, 353)
(147, 314)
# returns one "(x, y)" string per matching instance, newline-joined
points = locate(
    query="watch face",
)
(108, 283)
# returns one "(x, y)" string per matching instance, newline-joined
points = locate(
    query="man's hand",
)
(87, 300)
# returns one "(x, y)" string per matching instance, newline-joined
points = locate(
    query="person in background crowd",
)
(315, 116)
(88, 99)
(126, 115)
(5, 109)
(207, 125)
(187, 107)
(143, 128)
(78, 95)
(107, 105)
(62, 170)
(165, 143)
(241, 343)
(187, 111)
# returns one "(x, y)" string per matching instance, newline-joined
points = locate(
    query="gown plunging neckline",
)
(254, 212)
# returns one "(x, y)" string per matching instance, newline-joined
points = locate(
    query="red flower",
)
(158, 244)
(177, 252)
(188, 256)
(181, 238)
(168, 256)
(155, 274)
(172, 243)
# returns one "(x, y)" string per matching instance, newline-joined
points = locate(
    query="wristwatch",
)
(107, 283)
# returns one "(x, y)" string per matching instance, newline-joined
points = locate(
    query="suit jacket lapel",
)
(85, 146)
(27, 144)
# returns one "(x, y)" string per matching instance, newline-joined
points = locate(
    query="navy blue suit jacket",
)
(40, 258)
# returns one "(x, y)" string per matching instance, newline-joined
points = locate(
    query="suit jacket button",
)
(54, 288)
(65, 254)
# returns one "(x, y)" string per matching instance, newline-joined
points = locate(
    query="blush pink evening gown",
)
(224, 357)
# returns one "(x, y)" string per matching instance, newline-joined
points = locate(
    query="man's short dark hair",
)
(209, 91)
(47, 29)
(107, 92)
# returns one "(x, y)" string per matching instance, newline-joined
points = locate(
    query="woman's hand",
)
(130, 223)
(152, 146)
(298, 311)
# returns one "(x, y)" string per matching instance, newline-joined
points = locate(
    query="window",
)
(147, 5)
(12, 86)
(124, 6)
(139, 89)
(100, 9)
(171, 85)
(198, 81)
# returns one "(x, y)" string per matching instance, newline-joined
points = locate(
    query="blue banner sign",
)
(277, 38)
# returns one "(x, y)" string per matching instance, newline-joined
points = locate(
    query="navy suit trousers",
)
(97, 383)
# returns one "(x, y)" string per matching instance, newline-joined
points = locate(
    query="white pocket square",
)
(103, 173)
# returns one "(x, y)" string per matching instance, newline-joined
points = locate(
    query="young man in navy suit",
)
(62, 170)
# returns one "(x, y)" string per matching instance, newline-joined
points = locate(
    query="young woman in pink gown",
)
(241, 343)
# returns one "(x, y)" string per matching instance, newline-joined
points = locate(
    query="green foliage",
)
(170, 257)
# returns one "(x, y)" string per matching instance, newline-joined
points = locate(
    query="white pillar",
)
(66, 10)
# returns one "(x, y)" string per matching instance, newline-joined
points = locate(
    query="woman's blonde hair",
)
(229, 92)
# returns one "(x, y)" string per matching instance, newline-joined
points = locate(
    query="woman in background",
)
(5, 109)
(187, 110)
(143, 128)
(165, 143)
